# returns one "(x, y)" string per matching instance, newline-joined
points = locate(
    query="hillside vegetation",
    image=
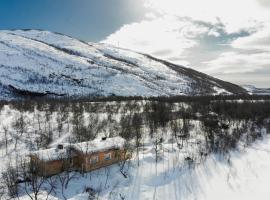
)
(171, 134)
(36, 63)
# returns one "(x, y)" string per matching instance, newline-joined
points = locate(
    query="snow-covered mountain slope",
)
(258, 91)
(40, 63)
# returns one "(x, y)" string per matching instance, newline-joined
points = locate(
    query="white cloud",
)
(214, 32)
(220, 37)
(235, 14)
(150, 15)
(234, 62)
(164, 37)
(264, 2)
(257, 41)
(257, 79)
(248, 62)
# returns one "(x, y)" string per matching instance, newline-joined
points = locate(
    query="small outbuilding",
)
(85, 156)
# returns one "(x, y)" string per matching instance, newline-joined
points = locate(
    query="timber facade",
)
(83, 157)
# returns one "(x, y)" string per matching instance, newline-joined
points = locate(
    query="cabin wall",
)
(52, 167)
(49, 168)
(80, 162)
(116, 156)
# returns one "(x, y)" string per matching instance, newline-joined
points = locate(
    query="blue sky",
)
(90, 20)
(228, 39)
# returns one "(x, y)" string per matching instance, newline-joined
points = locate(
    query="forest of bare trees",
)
(223, 122)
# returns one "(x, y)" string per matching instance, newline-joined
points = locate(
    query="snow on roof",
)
(52, 154)
(84, 147)
(100, 145)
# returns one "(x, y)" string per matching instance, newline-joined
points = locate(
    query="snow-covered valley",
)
(166, 167)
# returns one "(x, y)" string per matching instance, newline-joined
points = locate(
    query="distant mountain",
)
(258, 91)
(42, 63)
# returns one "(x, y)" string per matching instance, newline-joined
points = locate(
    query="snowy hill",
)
(40, 63)
(258, 91)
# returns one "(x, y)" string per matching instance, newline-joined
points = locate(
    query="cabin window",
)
(94, 159)
(107, 156)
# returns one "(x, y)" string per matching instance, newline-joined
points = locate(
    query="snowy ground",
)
(242, 175)
(245, 175)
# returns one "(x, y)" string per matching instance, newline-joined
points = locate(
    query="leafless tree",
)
(93, 126)
(33, 176)
(67, 175)
(59, 122)
(2, 191)
(126, 154)
(5, 137)
(137, 131)
(175, 130)
(78, 122)
(9, 180)
(157, 144)
(20, 125)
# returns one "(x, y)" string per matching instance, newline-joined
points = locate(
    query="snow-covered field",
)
(244, 174)
(179, 173)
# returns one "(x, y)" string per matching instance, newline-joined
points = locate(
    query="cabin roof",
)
(97, 145)
(51, 154)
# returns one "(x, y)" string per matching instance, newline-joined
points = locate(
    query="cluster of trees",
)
(223, 121)
(29, 178)
(51, 119)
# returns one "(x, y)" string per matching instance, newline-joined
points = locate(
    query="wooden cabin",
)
(85, 156)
